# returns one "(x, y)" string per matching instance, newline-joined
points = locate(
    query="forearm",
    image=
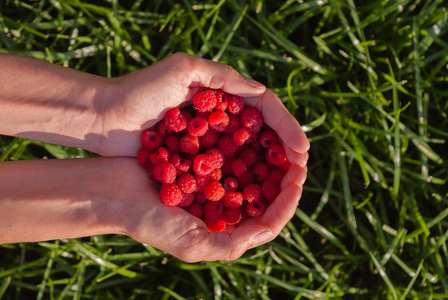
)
(52, 199)
(50, 103)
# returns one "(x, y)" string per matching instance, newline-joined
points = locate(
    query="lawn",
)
(367, 80)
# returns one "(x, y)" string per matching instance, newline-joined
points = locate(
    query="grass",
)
(366, 79)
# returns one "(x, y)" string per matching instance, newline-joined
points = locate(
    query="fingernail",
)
(253, 83)
(261, 238)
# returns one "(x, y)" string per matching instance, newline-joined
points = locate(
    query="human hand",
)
(140, 99)
(136, 211)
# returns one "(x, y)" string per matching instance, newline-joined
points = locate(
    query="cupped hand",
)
(140, 99)
(137, 212)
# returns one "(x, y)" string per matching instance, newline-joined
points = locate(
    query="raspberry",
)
(234, 124)
(232, 216)
(170, 194)
(143, 157)
(249, 156)
(230, 184)
(251, 118)
(202, 182)
(214, 191)
(181, 164)
(255, 209)
(209, 139)
(204, 101)
(164, 172)
(269, 190)
(159, 156)
(187, 200)
(216, 174)
(276, 175)
(199, 198)
(268, 137)
(213, 210)
(151, 139)
(218, 121)
(196, 210)
(227, 146)
(261, 171)
(238, 167)
(172, 143)
(241, 135)
(216, 156)
(197, 126)
(163, 129)
(232, 199)
(221, 103)
(175, 120)
(235, 104)
(215, 225)
(252, 193)
(186, 183)
(275, 155)
(245, 179)
(189, 144)
(150, 171)
(203, 164)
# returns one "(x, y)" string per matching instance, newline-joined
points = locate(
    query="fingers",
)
(197, 72)
(278, 117)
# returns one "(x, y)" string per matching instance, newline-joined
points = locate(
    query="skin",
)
(51, 199)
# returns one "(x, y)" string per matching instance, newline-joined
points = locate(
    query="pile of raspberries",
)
(216, 159)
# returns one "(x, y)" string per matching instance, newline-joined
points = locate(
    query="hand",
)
(140, 99)
(137, 212)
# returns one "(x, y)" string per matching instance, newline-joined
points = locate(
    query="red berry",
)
(213, 210)
(203, 164)
(159, 156)
(252, 193)
(268, 137)
(245, 179)
(199, 198)
(215, 225)
(189, 144)
(209, 139)
(181, 164)
(238, 167)
(241, 135)
(276, 155)
(251, 118)
(216, 157)
(164, 172)
(249, 156)
(261, 171)
(255, 209)
(230, 184)
(216, 174)
(151, 139)
(276, 175)
(235, 104)
(186, 183)
(234, 124)
(170, 194)
(187, 200)
(163, 129)
(175, 120)
(204, 101)
(202, 181)
(143, 157)
(232, 199)
(227, 146)
(196, 210)
(269, 190)
(172, 143)
(214, 191)
(197, 126)
(232, 216)
(218, 121)
(221, 103)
